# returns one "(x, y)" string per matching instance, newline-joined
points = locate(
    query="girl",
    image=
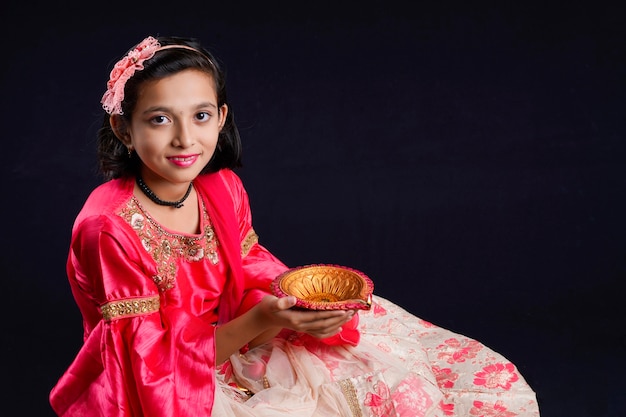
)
(174, 287)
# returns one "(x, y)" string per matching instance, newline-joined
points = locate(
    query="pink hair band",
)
(126, 67)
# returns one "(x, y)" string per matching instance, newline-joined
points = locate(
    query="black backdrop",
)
(469, 159)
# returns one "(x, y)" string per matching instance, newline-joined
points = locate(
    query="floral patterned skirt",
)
(403, 366)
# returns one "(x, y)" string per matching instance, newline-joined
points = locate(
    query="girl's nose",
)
(184, 136)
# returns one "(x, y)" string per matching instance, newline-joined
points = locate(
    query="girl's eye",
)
(159, 120)
(203, 116)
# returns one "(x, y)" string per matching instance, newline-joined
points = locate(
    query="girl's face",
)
(175, 126)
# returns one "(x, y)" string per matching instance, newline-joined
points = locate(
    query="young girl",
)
(174, 287)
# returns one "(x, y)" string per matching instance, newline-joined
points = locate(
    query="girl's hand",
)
(270, 316)
(277, 312)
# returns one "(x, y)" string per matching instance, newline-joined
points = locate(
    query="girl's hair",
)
(113, 157)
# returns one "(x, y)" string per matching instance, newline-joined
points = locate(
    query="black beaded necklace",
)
(152, 196)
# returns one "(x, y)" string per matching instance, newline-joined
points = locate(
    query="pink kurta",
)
(150, 300)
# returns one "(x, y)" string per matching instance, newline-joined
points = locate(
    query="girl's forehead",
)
(188, 76)
(192, 84)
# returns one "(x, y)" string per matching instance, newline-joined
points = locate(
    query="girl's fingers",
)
(325, 324)
(316, 323)
(285, 303)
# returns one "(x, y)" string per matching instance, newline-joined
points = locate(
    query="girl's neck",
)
(185, 219)
(152, 195)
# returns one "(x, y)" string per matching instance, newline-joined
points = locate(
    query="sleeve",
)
(259, 264)
(140, 356)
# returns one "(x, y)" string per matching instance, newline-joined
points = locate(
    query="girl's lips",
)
(183, 160)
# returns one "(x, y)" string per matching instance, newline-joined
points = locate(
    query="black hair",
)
(113, 157)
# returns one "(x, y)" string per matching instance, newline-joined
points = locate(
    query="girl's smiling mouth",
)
(183, 160)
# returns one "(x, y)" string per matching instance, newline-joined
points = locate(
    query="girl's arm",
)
(269, 317)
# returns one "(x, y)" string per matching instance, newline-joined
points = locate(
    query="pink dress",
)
(151, 298)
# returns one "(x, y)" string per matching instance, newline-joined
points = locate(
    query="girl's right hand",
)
(278, 312)
(270, 316)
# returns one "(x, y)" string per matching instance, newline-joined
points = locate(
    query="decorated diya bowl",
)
(325, 287)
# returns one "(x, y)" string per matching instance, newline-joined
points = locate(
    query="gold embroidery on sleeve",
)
(349, 392)
(130, 307)
(247, 243)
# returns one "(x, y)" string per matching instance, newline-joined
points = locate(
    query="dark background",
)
(469, 158)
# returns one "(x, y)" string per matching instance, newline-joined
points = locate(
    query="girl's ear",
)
(222, 115)
(118, 125)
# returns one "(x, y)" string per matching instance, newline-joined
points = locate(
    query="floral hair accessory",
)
(126, 67)
(123, 70)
